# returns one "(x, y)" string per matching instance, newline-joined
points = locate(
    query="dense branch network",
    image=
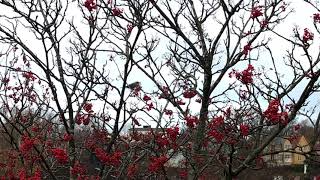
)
(79, 79)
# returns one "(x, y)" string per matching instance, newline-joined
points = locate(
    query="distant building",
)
(289, 152)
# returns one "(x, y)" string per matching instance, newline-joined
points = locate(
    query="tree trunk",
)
(227, 176)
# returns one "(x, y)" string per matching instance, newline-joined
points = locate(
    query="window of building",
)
(305, 149)
(287, 146)
(287, 156)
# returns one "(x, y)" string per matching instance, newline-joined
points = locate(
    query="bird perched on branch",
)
(132, 86)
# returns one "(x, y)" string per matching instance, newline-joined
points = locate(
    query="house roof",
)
(294, 141)
(278, 141)
(298, 139)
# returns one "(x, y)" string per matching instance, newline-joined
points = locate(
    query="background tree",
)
(90, 68)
